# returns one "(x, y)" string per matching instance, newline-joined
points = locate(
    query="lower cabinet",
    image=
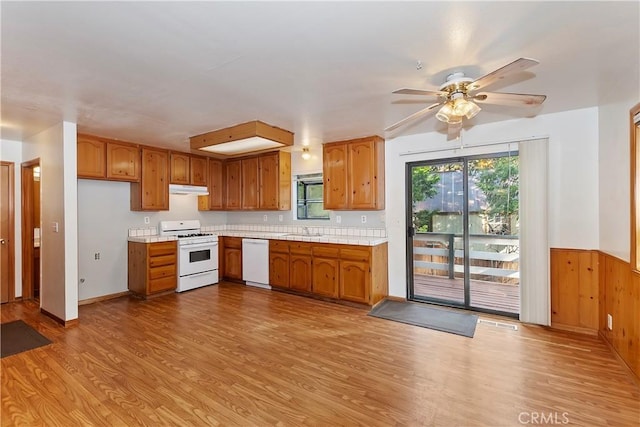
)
(152, 268)
(346, 272)
(231, 254)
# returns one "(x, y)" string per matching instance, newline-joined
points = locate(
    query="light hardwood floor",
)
(232, 355)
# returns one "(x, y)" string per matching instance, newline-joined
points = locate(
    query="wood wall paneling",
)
(574, 289)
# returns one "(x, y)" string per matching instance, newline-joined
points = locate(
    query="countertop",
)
(336, 239)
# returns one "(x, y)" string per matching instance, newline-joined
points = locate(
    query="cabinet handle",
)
(3, 242)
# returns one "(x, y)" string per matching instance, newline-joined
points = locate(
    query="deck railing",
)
(492, 257)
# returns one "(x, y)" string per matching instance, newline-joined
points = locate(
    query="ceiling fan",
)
(457, 96)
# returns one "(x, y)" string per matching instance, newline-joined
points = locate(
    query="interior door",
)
(6, 231)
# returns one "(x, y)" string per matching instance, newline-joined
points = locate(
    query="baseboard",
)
(65, 323)
(392, 298)
(103, 298)
(571, 328)
(632, 374)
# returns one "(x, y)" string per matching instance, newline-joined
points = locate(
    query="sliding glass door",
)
(462, 242)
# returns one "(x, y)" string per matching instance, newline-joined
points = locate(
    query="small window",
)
(310, 205)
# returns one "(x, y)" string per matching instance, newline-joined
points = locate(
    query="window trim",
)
(634, 130)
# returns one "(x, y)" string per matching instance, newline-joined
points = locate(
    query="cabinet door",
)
(269, 181)
(213, 201)
(123, 162)
(325, 277)
(91, 157)
(180, 171)
(361, 166)
(354, 281)
(250, 183)
(198, 171)
(334, 168)
(300, 272)
(279, 269)
(153, 181)
(233, 263)
(233, 184)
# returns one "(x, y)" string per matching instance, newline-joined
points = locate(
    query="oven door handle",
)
(198, 274)
(188, 247)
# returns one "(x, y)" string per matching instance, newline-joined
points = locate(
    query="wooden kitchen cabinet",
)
(279, 263)
(215, 183)
(102, 158)
(249, 183)
(199, 171)
(233, 184)
(274, 191)
(179, 169)
(152, 192)
(187, 169)
(152, 268)
(123, 162)
(300, 277)
(231, 264)
(353, 174)
(91, 153)
(345, 272)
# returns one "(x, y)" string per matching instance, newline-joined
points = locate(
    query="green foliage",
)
(498, 180)
(424, 180)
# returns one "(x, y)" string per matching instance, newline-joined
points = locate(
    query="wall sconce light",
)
(306, 155)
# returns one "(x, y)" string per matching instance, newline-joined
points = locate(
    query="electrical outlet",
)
(363, 219)
(338, 219)
(54, 227)
(610, 322)
(280, 217)
(96, 256)
(264, 218)
(147, 220)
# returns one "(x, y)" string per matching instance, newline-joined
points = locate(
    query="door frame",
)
(466, 305)
(12, 224)
(27, 226)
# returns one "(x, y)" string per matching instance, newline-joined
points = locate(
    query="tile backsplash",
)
(310, 230)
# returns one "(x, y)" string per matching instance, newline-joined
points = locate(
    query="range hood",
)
(188, 189)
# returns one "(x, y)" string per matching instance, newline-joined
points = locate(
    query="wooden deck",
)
(487, 295)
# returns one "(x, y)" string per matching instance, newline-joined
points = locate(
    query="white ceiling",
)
(157, 73)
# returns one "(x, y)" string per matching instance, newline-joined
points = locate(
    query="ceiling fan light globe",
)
(446, 112)
(455, 120)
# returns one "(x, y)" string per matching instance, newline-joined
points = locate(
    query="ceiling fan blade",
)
(488, 79)
(511, 99)
(414, 116)
(453, 130)
(407, 91)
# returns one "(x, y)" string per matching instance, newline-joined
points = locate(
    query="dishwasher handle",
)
(255, 242)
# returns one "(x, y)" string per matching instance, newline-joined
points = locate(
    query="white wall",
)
(11, 151)
(56, 148)
(614, 185)
(573, 176)
(104, 218)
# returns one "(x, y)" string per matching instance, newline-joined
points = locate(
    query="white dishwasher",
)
(255, 262)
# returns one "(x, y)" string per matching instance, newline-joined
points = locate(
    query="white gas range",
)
(197, 254)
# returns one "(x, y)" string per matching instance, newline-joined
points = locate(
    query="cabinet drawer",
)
(162, 248)
(233, 242)
(158, 261)
(162, 284)
(300, 248)
(325, 251)
(355, 254)
(161, 272)
(279, 246)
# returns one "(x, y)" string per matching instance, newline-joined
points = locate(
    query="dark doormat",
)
(17, 336)
(420, 314)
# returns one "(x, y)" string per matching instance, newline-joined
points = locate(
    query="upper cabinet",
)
(260, 182)
(215, 199)
(152, 192)
(187, 169)
(353, 173)
(274, 181)
(102, 158)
